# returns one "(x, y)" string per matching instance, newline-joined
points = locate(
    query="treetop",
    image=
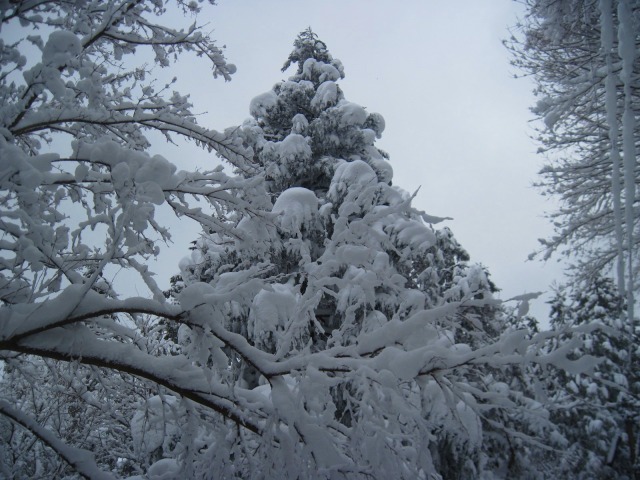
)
(307, 45)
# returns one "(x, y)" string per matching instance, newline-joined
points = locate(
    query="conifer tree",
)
(598, 413)
(344, 258)
(336, 216)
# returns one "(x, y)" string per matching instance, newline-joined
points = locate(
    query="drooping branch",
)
(81, 460)
(176, 373)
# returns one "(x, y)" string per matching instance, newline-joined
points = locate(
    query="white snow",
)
(156, 423)
(299, 124)
(271, 311)
(326, 95)
(470, 421)
(61, 46)
(294, 146)
(83, 461)
(382, 167)
(297, 209)
(413, 234)
(324, 71)
(351, 177)
(356, 255)
(156, 169)
(378, 123)
(164, 469)
(351, 113)
(257, 234)
(194, 295)
(262, 103)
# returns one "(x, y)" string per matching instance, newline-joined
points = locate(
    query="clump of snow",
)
(286, 157)
(151, 174)
(194, 295)
(164, 469)
(60, 51)
(382, 167)
(376, 122)
(257, 234)
(289, 89)
(150, 192)
(15, 161)
(368, 136)
(350, 177)
(356, 255)
(621, 380)
(271, 311)
(294, 146)
(359, 289)
(326, 95)
(156, 169)
(551, 118)
(60, 48)
(299, 124)
(351, 114)
(260, 105)
(500, 388)
(470, 422)
(373, 321)
(413, 234)
(297, 208)
(323, 71)
(594, 426)
(412, 301)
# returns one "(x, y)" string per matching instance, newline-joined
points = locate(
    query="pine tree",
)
(597, 413)
(336, 215)
(344, 257)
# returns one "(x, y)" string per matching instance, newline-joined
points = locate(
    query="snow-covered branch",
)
(81, 460)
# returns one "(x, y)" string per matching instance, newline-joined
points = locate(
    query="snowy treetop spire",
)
(304, 127)
(307, 45)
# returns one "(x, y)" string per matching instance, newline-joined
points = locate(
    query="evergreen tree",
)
(343, 258)
(336, 216)
(598, 413)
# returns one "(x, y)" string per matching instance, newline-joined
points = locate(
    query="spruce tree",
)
(343, 259)
(597, 413)
(343, 241)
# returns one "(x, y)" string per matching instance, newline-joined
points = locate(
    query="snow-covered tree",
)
(583, 58)
(343, 265)
(598, 413)
(88, 407)
(320, 326)
(78, 198)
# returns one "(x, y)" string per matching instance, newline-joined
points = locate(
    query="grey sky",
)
(458, 124)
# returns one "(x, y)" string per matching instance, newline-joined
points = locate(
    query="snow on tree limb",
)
(81, 460)
(72, 90)
(320, 316)
(574, 50)
(583, 56)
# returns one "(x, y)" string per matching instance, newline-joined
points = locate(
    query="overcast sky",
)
(458, 124)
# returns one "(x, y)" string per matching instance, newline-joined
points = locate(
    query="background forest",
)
(320, 324)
